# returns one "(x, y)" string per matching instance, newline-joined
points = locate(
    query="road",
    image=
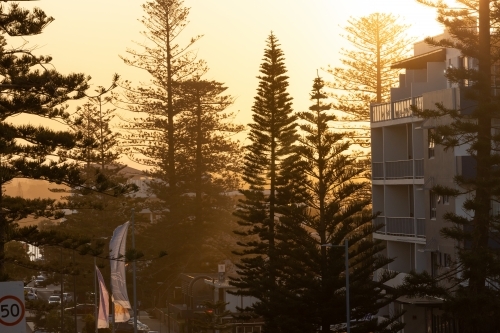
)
(45, 293)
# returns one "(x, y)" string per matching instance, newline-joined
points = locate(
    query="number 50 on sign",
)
(12, 312)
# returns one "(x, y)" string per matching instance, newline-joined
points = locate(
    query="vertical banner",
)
(121, 314)
(117, 247)
(103, 315)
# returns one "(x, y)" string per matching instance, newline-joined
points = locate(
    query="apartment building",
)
(406, 164)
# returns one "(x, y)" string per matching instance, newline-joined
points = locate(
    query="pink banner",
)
(103, 315)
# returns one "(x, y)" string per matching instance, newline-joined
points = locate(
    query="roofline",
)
(420, 61)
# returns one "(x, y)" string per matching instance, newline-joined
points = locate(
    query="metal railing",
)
(400, 226)
(381, 112)
(419, 168)
(378, 221)
(402, 108)
(378, 170)
(399, 169)
(419, 102)
(402, 169)
(395, 110)
(403, 226)
(421, 228)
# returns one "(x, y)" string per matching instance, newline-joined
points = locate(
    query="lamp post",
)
(348, 311)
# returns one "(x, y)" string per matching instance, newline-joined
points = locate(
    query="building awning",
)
(420, 61)
(420, 300)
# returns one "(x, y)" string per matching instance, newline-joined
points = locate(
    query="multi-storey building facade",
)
(406, 164)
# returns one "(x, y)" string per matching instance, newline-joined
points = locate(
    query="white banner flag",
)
(117, 263)
(103, 315)
(121, 314)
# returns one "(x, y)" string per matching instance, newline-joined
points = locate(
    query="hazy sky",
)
(89, 35)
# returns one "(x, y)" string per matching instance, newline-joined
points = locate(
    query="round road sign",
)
(11, 310)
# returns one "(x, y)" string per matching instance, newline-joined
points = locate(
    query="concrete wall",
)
(419, 195)
(435, 79)
(414, 318)
(377, 145)
(420, 258)
(395, 143)
(397, 203)
(401, 252)
(378, 199)
(418, 141)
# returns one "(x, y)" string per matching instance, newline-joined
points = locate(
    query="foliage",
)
(50, 319)
(89, 324)
(323, 191)
(29, 87)
(469, 287)
(272, 136)
(211, 319)
(379, 40)
(181, 129)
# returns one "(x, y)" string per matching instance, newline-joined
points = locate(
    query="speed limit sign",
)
(12, 311)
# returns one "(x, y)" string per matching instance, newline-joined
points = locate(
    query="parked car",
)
(67, 297)
(30, 297)
(128, 328)
(140, 325)
(40, 281)
(81, 309)
(54, 300)
(30, 290)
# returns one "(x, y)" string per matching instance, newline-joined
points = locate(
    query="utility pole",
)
(133, 276)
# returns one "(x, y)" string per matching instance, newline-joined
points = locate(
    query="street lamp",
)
(348, 311)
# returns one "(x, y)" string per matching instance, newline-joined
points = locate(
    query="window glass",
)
(432, 204)
(431, 144)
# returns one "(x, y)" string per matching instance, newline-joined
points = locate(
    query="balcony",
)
(400, 226)
(395, 110)
(402, 108)
(403, 169)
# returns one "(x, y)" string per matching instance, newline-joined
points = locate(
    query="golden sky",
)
(88, 35)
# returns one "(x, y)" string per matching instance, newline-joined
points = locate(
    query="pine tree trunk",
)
(199, 138)
(172, 179)
(3, 235)
(483, 194)
(379, 69)
(271, 235)
(325, 320)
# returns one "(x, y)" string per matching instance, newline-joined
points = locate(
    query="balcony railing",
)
(402, 169)
(402, 108)
(395, 110)
(419, 102)
(378, 170)
(399, 169)
(404, 226)
(381, 112)
(400, 226)
(419, 168)
(421, 228)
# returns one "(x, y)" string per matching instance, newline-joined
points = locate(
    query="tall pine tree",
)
(323, 203)
(29, 87)
(181, 130)
(272, 135)
(470, 287)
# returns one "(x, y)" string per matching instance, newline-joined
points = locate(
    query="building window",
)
(432, 204)
(446, 199)
(431, 144)
(248, 329)
(446, 260)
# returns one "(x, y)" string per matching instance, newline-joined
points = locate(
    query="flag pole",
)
(134, 271)
(95, 294)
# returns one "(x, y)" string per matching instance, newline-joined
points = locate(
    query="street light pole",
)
(348, 307)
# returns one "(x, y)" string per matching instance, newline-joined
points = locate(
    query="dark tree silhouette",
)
(272, 135)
